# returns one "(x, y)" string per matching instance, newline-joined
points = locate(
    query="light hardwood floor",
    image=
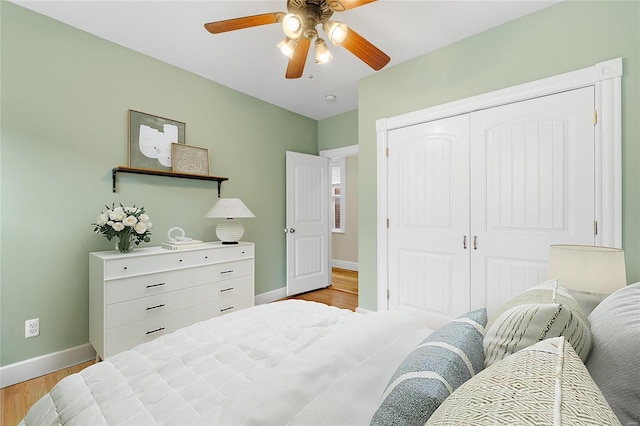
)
(15, 400)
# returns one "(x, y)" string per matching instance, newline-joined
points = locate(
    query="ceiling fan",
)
(299, 26)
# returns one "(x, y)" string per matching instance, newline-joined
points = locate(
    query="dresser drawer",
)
(147, 285)
(231, 303)
(223, 254)
(131, 265)
(130, 335)
(222, 271)
(223, 289)
(148, 307)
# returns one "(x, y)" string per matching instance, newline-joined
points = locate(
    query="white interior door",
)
(428, 211)
(532, 185)
(307, 223)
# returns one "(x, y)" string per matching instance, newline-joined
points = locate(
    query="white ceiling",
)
(248, 61)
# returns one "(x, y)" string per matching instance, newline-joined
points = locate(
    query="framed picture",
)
(150, 140)
(190, 159)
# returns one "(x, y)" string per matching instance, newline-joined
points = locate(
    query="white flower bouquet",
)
(127, 224)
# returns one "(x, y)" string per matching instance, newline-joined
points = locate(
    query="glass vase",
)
(123, 243)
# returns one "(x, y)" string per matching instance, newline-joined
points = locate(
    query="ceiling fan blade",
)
(342, 5)
(296, 64)
(364, 50)
(244, 22)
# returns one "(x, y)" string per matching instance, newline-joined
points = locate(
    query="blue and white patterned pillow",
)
(443, 361)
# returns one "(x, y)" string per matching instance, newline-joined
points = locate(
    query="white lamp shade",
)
(227, 208)
(588, 268)
(229, 231)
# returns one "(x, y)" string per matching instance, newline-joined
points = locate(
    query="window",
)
(337, 194)
(337, 169)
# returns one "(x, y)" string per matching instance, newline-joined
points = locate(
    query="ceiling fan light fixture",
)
(287, 47)
(292, 25)
(323, 55)
(336, 31)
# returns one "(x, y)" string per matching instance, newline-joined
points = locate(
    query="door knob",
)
(289, 230)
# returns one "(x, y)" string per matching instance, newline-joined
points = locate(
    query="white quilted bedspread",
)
(291, 362)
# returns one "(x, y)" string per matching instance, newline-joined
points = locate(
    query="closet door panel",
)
(532, 174)
(428, 211)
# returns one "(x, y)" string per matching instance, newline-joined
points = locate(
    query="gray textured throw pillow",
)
(614, 362)
(441, 363)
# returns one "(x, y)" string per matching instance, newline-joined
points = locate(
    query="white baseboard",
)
(271, 296)
(343, 264)
(45, 364)
(363, 310)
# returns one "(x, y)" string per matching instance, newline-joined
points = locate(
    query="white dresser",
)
(138, 296)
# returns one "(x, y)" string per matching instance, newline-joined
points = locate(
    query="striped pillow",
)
(544, 384)
(443, 361)
(542, 312)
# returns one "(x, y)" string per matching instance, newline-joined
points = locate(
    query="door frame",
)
(606, 78)
(343, 152)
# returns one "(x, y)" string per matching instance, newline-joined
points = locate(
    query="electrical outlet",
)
(32, 328)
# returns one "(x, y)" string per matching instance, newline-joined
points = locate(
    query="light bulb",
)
(323, 55)
(292, 25)
(287, 47)
(337, 31)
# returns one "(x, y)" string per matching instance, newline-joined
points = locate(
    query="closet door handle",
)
(475, 242)
(464, 242)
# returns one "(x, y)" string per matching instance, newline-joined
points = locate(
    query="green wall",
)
(565, 37)
(65, 97)
(338, 131)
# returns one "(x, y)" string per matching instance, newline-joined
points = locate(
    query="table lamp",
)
(229, 231)
(590, 269)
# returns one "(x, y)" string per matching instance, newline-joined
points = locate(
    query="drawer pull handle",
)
(155, 331)
(226, 309)
(155, 285)
(155, 307)
(226, 272)
(226, 289)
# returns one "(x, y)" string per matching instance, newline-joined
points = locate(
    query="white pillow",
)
(614, 362)
(542, 312)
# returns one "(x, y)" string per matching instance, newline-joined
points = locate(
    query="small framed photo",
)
(150, 140)
(190, 159)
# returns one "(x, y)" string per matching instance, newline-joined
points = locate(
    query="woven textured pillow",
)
(441, 363)
(614, 359)
(542, 312)
(545, 384)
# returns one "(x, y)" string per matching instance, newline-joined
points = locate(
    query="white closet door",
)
(428, 211)
(532, 185)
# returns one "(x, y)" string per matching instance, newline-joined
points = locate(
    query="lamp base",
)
(229, 231)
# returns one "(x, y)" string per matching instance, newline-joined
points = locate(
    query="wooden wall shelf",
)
(123, 169)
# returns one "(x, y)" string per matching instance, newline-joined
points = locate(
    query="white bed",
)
(278, 363)
(304, 363)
